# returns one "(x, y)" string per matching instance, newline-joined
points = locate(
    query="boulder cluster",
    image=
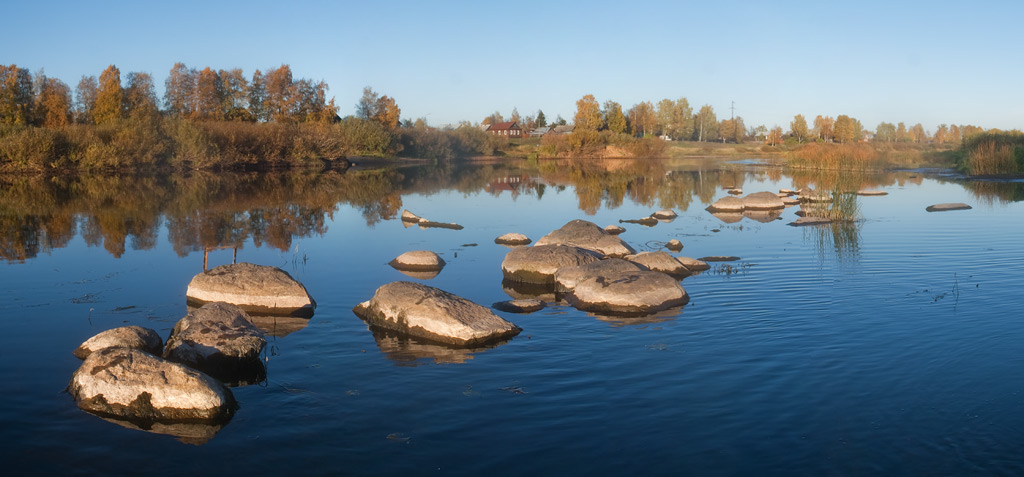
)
(132, 376)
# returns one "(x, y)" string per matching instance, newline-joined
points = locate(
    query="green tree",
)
(365, 108)
(614, 120)
(140, 96)
(798, 128)
(541, 120)
(234, 91)
(823, 127)
(901, 133)
(681, 126)
(109, 97)
(885, 132)
(642, 119)
(588, 114)
(257, 96)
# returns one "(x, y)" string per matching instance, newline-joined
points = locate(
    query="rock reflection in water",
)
(405, 350)
(277, 326)
(525, 291)
(627, 320)
(194, 433)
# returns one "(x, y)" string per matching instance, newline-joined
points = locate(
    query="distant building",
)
(507, 129)
(537, 132)
(566, 129)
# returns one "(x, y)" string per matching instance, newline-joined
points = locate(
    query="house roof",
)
(503, 126)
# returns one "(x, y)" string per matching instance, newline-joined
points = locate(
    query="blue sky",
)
(929, 62)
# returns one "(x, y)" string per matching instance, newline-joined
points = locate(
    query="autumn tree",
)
(798, 128)
(901, 133)
(234, 90)
(774, 137)
(823, 127)
(675, 118)
(858, 130)
(941, 135)
(386, 112)
(614, 120)
(16, 96)
(179, 91)
(885, 132)
(642, 119)
(515, 115)
(663, 112)
(842, 130)
(53, 105)
(279, 94)
(918, 134)
(140, 96)
(954, 134)
(705, 124)
(588, 114)
(109, 97)
(85, 99)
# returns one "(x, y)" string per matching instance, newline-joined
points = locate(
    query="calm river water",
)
(891, 346)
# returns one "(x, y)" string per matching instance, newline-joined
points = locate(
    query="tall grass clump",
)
(848, 157)
(994, 154)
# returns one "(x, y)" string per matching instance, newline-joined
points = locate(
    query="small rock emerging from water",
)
(674, 245)
(527, 305)
(513, 239)
(418, 261)
(539, 263)
(135, 337)
(804, 221)
(660, 262)
(614, 229)
(639, 292)
(665, 214)
(584, 234)
(872, 192)
(947, 207)
(727, 204)
(762, 201)
(434, 314)
(254, 288)
(135, 385)
(220, 340)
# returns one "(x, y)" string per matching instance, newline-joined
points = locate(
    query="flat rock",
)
(433, 314)
(427, 224)
(418, 261)
(584, 234)
(788, 191)
(220, 340)
(135, 337)
(538, 264)
(254, 288)
(872, 192)
(634, 293)
(735, 191)
(674, 245)
(566, 278)
(727, 204)
(660, 262)
(947, 206)
(720, 258)
(527, 305)
(812, 196)
(135, 385)
(804, 221)
(665, 214)
(790, 201)
(614, 229)
(513, 239)
(693, 264)
(762, 201)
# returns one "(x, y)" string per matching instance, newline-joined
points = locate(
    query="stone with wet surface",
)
(433, 314)
(135, 385)
(727, 204)
(539, 263)
(614, 229)
(674, 245)
(693, 264)
(763, 201)
(418, 261)
(665, 214)
(220, 340)
(805, 221)
(525, 305)
(513, 239)
(135, 337)
(254, 288)
(632, 293)
(947, 207)
(660, 262)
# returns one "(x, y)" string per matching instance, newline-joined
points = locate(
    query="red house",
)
(507, 129)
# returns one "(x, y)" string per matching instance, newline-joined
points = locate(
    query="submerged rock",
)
(513, 239)
(584, 234)
(526, 305)
(135, 337)
(566, 278)
(947, 206)
(220, 340)
(409, 219)
(254, 288)
(812, 196)
(872, 193)
(135, 385)
(660, 262)
(804, 221)
(434, 314)
(674, 245)
(637, 292)
(614, 229)
(539, 263)
(418, 261)
(726, 204)
(694, 265)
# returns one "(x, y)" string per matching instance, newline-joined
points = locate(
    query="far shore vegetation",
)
(224, 120)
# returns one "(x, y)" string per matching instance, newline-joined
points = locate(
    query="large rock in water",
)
(584, 234)
(631, 293)
(763, 201)
(512, 239)
(254, 288)
(135, 385)
(135, 337)
(566, 278)
(727, 204)
(539, 263)
(418, 261)
(433, 314)
(220, 340)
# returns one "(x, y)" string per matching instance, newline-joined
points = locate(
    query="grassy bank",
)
(992, 154)
(868, 156)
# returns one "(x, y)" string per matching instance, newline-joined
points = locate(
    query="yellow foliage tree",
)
(109, 97)
(387, 112)
(614, 120)
(588, 114)
(54, 107)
